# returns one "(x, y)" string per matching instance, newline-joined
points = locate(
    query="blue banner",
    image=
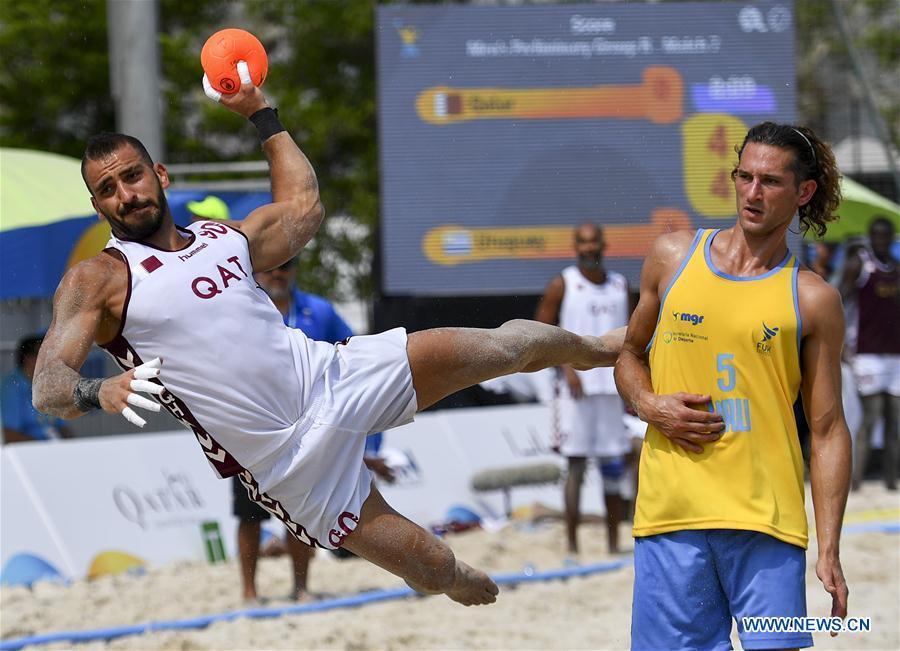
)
(33, 260)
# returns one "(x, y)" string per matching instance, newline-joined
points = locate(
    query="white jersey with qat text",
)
(234, 373)
(591, 309)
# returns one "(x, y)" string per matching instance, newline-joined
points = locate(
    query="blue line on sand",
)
(313, 607)
(346, 602)
(872, 527)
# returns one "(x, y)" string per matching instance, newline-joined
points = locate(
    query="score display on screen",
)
(503, 128)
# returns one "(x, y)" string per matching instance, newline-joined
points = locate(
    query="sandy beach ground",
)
(590, 612)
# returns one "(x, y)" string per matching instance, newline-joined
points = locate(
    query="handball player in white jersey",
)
(180, 312)
(588, 299)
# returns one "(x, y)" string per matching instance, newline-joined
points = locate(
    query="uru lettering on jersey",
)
(735, 412)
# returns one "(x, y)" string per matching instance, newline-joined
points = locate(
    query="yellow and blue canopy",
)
(47, 223)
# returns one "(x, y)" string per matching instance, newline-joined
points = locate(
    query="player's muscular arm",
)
(80, 311)
(671, 414)
(830, 448)
(632, 372)
(277, 231)
(88, 307)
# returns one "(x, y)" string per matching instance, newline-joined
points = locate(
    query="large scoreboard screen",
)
(502, 128)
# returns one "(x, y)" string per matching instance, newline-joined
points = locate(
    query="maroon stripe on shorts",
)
(274, 507)
(224, 464)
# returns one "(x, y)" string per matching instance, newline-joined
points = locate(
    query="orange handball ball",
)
(223, 50)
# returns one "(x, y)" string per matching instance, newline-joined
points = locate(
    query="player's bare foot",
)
(472, 587)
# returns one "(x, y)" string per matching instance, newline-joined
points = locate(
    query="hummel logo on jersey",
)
(151, 264)
(763, 345)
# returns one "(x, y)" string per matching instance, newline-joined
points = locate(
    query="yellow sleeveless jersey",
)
(736, 339)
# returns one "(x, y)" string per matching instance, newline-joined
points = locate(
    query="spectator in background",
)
(823, 259)
(851, 250)
(871, 281)
(317, 318)
(21, 421)
(589, 300)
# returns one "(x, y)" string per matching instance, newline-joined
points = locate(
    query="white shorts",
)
(877, 374)
(318, 486)
(590, 426)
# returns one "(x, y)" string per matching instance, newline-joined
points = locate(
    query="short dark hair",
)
(27, 346)
(813, 160)
(103, 144)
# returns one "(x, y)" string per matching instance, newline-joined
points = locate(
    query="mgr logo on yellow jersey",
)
(737, 340)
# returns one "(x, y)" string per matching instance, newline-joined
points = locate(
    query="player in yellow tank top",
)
(734, 339)
(728, 331)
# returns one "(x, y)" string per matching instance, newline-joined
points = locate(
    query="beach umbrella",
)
(47, 223)
(858, 208)
(44, 208)
(39, 188)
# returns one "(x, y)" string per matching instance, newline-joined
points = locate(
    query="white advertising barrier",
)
(94, 506)
(86, 507)
(25, 526)
(442, 451)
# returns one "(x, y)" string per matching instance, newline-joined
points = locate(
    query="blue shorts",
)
(688, 585)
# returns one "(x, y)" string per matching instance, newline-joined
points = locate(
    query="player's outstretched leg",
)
(445, 360)
(391, 541)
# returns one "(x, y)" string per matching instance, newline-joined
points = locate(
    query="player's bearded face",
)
(589, 248)
(141, 217)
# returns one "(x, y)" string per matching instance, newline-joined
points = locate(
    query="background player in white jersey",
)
(589, 300)
(179, 309)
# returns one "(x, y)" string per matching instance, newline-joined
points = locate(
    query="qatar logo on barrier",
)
(175, 501)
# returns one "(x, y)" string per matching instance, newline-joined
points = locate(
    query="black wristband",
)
(267, 123)
(87, 394)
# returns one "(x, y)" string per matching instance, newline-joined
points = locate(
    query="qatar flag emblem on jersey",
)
(151, 264)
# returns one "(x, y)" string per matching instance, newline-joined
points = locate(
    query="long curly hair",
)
(813, 159)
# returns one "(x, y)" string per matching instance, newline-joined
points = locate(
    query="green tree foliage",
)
(322, 67)
(56, 89)
(55, 74)
(55, 86)
(874, 26)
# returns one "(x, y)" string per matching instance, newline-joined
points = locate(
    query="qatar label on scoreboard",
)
(503, 128)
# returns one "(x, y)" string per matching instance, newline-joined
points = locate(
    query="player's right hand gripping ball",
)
(223, 50)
